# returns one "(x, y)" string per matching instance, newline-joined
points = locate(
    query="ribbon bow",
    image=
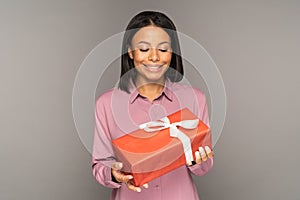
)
(174, 132)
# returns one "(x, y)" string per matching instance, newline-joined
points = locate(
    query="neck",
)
(150, 89)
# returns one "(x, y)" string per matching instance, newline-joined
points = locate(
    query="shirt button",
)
(156, 112)
(156, 186)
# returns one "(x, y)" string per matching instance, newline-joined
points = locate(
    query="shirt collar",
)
(167, 91)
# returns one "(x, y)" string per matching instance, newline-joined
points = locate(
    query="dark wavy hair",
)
(143, 19)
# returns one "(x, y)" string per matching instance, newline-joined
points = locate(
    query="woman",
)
(148, 90)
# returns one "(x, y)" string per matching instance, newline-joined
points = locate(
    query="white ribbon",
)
(174, 132)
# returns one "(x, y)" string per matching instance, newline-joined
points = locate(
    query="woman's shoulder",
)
(107, 96)
(185, 88)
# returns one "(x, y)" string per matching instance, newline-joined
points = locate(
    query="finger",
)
(209, 152)
(132, 187)
(117, 165)
(146, 185)
(198, 158)
(125, 178)
(190, 163)
(122, 177)
(202, 154)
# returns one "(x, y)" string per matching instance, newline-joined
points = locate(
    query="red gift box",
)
(148, 155)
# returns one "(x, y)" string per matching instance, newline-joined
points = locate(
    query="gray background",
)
(255, 44)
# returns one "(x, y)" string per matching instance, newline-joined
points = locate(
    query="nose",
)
(153, 55)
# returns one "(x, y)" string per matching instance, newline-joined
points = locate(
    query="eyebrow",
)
(150, 44)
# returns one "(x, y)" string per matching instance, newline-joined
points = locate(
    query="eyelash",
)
(145, 50)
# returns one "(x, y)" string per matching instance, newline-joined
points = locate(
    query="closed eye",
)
(163, 50)
(144, 50)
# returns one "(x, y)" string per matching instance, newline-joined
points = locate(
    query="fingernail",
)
(146, 185)
(138, 190)
(120, 165)
(207, 148)
(201, 149)
(130, 177)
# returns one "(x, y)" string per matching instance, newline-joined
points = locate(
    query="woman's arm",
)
(103, 175)
(106, 169)
(204, 157)
(102, 156)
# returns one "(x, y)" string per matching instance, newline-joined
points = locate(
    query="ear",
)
(130, 52)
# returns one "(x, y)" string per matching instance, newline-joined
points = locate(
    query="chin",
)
(152, 80)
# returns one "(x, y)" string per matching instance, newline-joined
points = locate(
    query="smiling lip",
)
(153, 68)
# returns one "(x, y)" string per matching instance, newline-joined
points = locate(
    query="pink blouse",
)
(118, 113)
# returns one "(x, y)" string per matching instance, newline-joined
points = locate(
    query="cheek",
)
(138, 57)
(166, 57)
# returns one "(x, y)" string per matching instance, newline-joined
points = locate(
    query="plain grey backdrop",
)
(255, 44)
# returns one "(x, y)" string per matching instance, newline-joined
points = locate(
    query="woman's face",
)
(151, 53)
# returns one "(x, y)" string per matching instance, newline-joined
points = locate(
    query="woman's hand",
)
(122, 178)
(203, 154)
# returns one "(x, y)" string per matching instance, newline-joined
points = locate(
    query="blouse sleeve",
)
(102, 156)
(202, 113)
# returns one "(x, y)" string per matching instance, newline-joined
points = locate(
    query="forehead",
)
(151, 34)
